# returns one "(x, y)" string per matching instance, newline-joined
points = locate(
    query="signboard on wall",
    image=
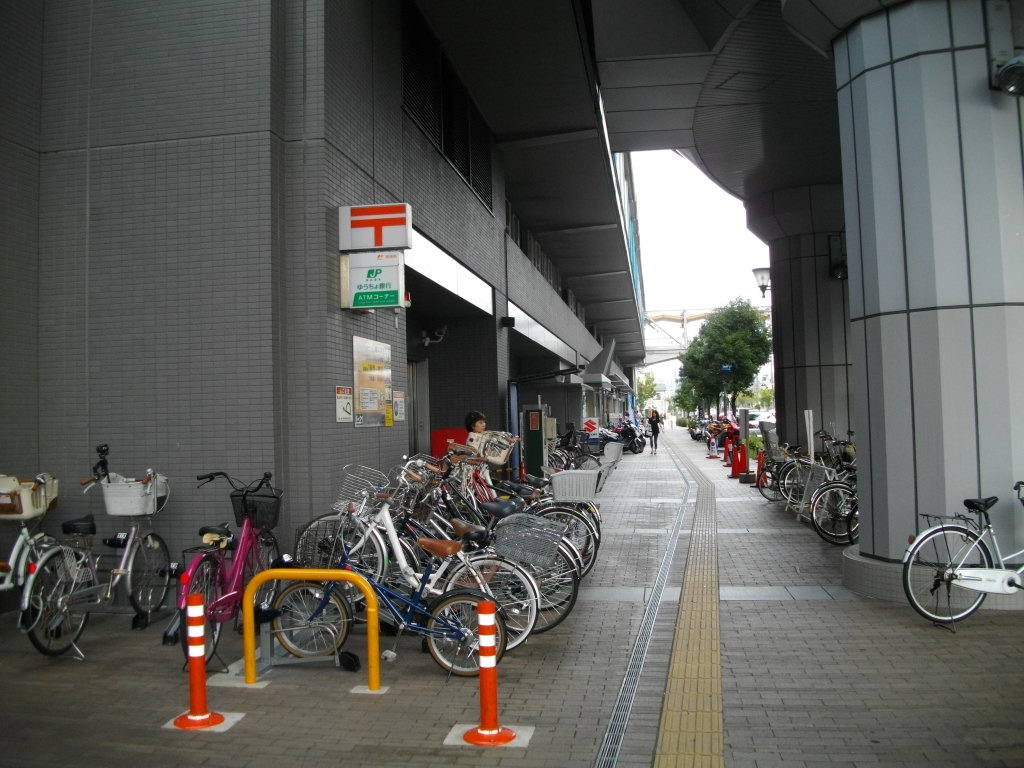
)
(368, 227)
(372, 365)
(372, 280)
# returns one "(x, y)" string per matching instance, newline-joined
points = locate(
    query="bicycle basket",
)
(358, 486)
(124, 497)
(574, 485)
(318, 545)
(262, 507)
(528, 539)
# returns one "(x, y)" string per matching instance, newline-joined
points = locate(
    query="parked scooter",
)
(632, 438)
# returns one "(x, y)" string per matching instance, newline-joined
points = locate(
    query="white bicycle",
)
(951, 567)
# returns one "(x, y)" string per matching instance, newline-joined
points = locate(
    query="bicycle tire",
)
(586, 461)
(52, 623)
(203, 579)
(579, 530)
(829, 508)
(149, 574)
(510, 585)
(303, 635)
(768, 484)
(460, 656)
(853, 523)
(928, 579)
(791, 484)
(559, 586)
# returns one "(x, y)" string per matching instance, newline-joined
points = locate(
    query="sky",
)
(695, 249)
(696, 252)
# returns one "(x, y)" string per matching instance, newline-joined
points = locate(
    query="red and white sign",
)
(363, 227)
(590, 425)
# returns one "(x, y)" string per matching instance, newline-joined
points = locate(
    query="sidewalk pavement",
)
(809, 673)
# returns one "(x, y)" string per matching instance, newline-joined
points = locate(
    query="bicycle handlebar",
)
(238, 485)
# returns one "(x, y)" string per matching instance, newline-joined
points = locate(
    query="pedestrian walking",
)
(654, 424)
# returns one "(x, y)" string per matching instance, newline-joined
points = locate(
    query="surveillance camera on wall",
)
(1010, 77)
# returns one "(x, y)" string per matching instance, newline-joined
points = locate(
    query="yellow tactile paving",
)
(691, 717)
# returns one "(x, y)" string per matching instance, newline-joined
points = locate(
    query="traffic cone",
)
(488, 733)
(198, 715)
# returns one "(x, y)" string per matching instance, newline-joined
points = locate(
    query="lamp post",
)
(763, 276)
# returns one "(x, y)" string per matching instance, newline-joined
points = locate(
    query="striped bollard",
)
(488, 733)
(198, 716)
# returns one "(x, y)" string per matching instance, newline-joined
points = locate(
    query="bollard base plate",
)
(456, 736)
(187, 722)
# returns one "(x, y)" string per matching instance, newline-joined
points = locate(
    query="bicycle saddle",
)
(440, 547)
(980, 505)
(83, 526)
(468, 532)
(217, 530)
(500, 509)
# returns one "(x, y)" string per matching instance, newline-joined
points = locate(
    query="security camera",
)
(1010, 76)
(434, 337)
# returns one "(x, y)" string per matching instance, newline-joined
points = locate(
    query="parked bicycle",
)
(315, 620)
(69, 580)
(385, 544)
(950, 568)
(25, 502)
(222, 566)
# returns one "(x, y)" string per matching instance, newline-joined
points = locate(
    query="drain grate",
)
(608, 755)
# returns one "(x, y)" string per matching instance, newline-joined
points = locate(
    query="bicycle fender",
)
(940, 526)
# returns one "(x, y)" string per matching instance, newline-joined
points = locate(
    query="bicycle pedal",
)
(388, 655)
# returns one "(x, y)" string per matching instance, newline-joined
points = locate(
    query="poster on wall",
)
(343, 403)
(372, 366)
(399, 406)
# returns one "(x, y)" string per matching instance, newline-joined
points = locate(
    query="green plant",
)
(754, 444)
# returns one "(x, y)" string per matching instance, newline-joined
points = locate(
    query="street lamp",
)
(763, 276)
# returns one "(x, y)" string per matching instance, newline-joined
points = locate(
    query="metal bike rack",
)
(310, 574)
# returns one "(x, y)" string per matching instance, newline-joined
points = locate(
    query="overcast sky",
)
(696, 252)
(695, 249)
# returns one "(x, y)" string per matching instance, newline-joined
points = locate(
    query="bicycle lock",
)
(312, 574)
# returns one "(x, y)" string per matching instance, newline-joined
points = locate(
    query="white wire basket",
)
(575, 484)
(125, 497)
(528, 539)
(613, 451)
(359, 486)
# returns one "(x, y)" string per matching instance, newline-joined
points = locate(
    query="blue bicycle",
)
(312, 619)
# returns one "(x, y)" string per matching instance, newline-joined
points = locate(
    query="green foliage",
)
(754, 444)
(729, 350)
(645, 390)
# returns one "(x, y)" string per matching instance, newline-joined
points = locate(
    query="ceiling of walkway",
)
(562, 82)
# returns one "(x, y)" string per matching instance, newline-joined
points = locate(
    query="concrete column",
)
(803, 229)
(934, 200)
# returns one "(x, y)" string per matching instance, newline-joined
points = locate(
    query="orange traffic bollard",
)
(488, 733)
(727, 451)
(198, 715)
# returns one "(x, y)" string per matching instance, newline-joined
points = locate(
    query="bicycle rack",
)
(309, 574)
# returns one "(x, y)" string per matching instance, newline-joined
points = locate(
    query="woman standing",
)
(654, 421)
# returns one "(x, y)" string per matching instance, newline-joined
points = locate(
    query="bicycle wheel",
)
(586, 461)
(453, 633)
(791, 482)
(559, 585)
(853, 523)
(579, 530)
(259, 557)
(929, 573)
(300, 632)
(829, 508)
(203, 579)
(768, 484)
(53, 621)
(149, 574)
(509, 584)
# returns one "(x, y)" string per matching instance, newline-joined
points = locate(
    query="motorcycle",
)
(632, 438)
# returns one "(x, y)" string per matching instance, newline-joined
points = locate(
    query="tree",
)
(727, 353)
(645, 390)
